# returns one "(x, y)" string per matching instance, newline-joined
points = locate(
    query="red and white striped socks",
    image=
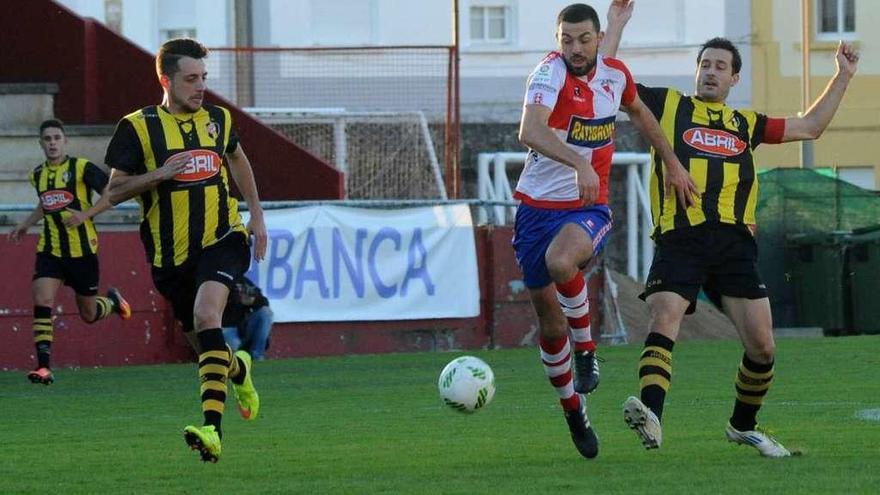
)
(572, 296)
(556, 357)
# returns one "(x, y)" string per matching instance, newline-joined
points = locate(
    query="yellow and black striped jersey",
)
(183, 215)
(66, 186)
(715, 143)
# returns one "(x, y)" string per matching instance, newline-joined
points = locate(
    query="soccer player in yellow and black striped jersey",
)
(68, 246)
(176, 159)
(706, 240)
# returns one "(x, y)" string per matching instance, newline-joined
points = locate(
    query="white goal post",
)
(384, 155)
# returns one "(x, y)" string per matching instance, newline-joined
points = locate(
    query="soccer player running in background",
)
(170, 157)
(711, 244)
(68, 245)
(563, 219)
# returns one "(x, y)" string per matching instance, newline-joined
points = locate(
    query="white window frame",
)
(508, 24)
(839, 34)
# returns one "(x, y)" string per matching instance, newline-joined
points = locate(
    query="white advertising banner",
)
(335, 263)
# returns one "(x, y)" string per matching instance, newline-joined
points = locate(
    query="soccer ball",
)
(466, 384)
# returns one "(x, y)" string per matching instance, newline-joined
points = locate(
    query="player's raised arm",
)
(814, 122)
(619, 13)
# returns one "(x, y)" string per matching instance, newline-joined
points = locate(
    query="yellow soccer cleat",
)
(204, 439)
(245, 394)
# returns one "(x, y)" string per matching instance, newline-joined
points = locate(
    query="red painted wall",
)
(102, 76)
(152, 336)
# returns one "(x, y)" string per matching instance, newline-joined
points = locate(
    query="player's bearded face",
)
(715, 75)
(187, 86)
(579, 44)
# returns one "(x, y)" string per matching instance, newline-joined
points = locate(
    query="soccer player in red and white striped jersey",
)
(571, 104)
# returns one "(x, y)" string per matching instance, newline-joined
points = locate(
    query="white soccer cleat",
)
(759, 439)
(644, 422)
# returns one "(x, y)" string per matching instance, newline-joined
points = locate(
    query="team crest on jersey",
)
(66, 176)
(213, 129)
(714, 141)
(203, 165)
(56, 199)
(591, 133)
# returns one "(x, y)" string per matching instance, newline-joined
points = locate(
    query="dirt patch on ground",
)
(707, 323)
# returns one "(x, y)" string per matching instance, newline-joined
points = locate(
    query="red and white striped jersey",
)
(583, 115)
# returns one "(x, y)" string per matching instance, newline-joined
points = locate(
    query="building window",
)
(170, 34)
(490, 24)
(836, 19)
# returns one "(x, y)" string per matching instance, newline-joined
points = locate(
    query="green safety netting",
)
(803, 201)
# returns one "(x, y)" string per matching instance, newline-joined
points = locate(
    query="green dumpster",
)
(816, 268)
(864, 267)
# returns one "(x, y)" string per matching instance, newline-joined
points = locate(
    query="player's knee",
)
(206, 317)
(561, 269)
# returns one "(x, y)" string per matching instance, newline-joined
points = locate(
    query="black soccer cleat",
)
(582, 433)
(586, 372)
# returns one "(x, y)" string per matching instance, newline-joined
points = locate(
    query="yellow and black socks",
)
(752, 383)
(655, 371)
(43, 334)
(103, 308)
(213, 371)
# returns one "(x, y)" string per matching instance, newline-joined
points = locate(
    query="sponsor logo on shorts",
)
(56, 199)
(714, 141)
(203, 165)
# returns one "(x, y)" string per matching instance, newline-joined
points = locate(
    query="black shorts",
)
(222, 262)
(722, 259)
(81, 274)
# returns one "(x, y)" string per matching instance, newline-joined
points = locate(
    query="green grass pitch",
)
(375, 424)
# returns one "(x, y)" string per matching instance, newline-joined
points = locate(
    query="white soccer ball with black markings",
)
(467, 384)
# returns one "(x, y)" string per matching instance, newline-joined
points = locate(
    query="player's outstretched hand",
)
(588, 184)
(685, 189)
(257, 227)
(16, 233)
(620, 12)
(175, 166)
(847, 59)
(74, 219)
